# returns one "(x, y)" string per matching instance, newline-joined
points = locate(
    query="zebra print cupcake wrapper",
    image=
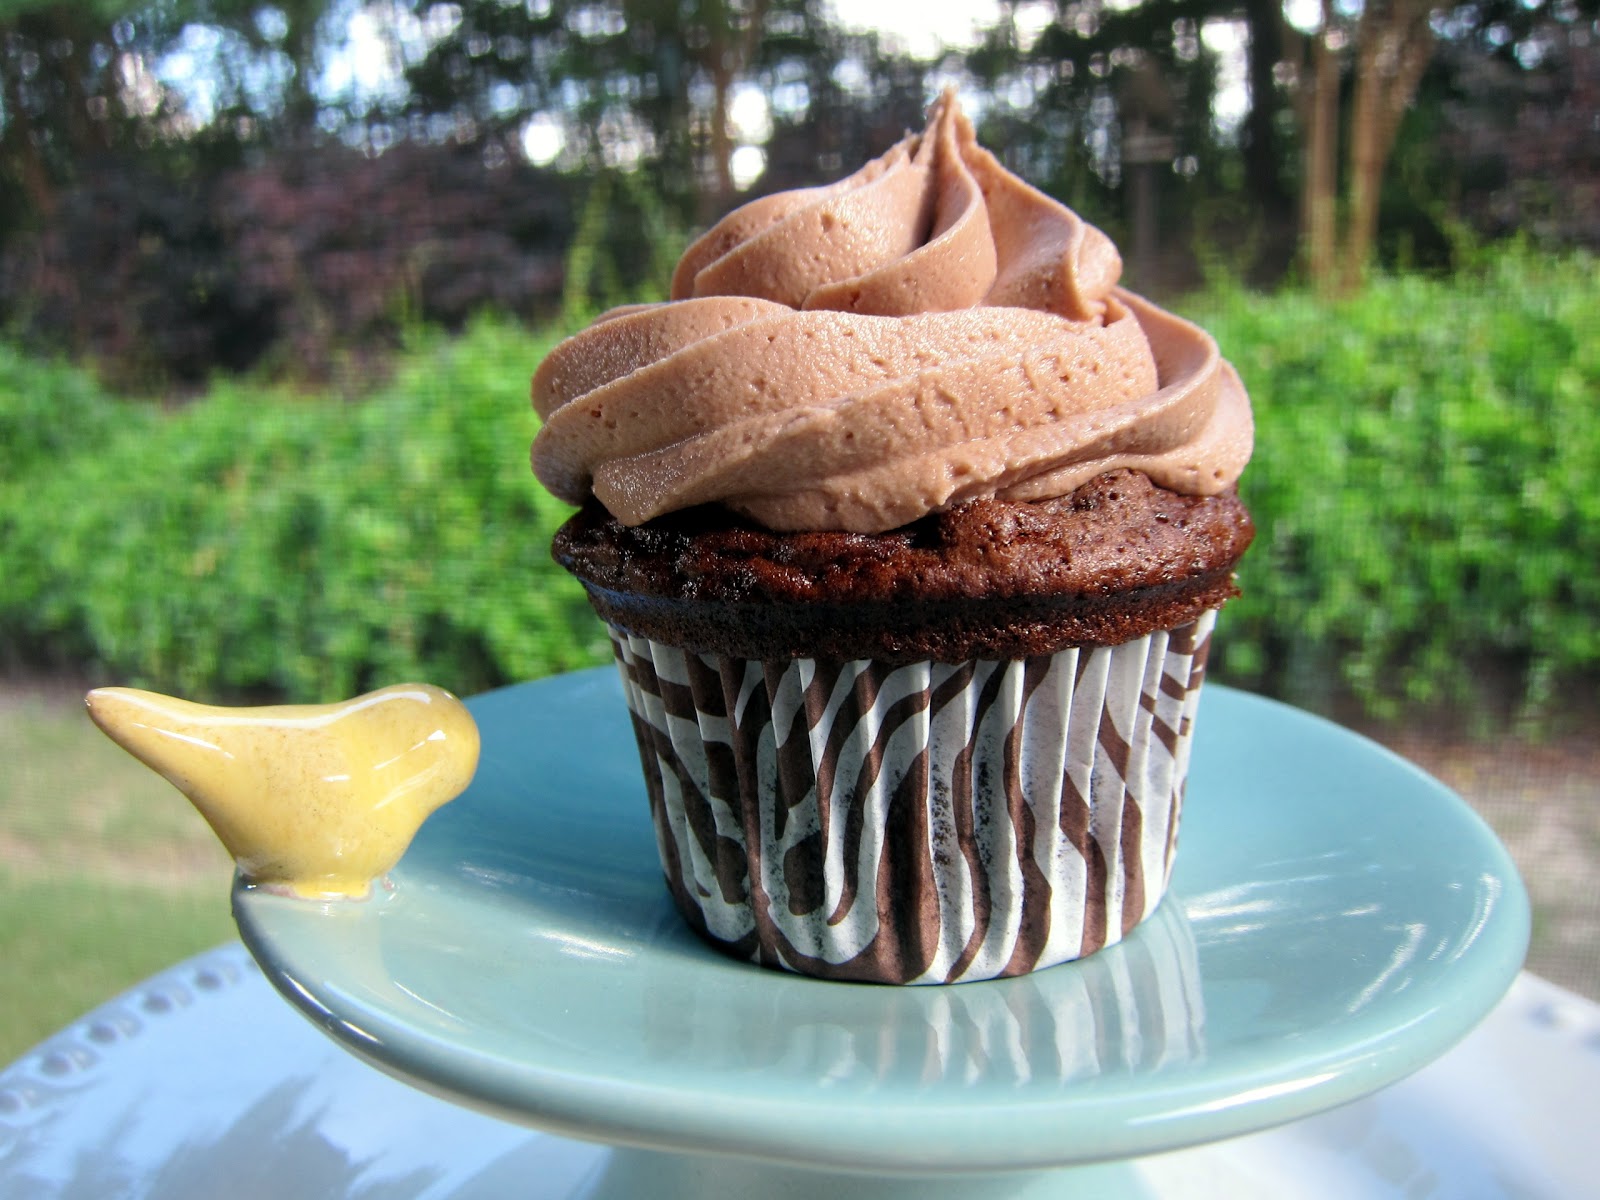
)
(922, 823)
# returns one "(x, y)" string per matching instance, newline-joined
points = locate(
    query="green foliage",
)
(1424, 487)
(623, 251)
(47, 410)
(106, 872)
(260, 540)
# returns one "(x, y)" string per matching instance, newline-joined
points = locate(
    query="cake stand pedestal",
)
(1336, 921)
(631, 1174)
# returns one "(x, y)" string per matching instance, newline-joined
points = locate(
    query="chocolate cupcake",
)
(910, 528)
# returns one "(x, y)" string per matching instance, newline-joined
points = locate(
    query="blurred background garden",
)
(274, 277)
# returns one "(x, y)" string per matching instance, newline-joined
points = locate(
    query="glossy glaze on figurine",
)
(313, 799)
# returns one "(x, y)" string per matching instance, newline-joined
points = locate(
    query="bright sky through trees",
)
(363, 63)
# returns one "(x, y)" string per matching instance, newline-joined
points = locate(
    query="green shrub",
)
(48, 411)
(263, 541)
(1424, 487)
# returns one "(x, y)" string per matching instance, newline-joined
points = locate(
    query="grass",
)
(71, 791)
(70, 942)
(106, 874)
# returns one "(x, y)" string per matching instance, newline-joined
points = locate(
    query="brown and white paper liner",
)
(926, 823)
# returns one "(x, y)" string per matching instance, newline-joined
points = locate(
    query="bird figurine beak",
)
(316, 800)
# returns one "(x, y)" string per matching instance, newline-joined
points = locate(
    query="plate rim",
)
(651, 1115)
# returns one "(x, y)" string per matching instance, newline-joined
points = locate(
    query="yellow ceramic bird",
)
(314, 799)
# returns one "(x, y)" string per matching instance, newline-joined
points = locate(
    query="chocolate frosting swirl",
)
(928, 331)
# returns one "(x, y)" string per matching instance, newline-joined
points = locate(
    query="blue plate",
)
(1337, 920)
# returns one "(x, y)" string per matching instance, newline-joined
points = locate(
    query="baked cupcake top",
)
(1113, 561)
(927, 332)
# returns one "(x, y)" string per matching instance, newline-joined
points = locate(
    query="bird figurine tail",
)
(317, 800)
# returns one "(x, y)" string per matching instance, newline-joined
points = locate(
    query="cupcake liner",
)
(921, 823)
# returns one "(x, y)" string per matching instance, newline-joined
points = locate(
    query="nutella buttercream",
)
(926, 332)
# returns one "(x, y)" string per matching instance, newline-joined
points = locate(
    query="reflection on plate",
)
(1337, 920)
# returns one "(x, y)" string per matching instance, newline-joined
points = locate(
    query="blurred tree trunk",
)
(1261, 135)
(302, 20)
(1387, 50)
(722, 77)
(1394, 42)
(21, 157)
(1262, 141)
(1319, 118)
(55, 104)
(732, 36)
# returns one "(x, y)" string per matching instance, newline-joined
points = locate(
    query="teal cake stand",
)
(1337, 920)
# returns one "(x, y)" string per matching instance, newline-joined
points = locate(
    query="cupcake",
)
(910, 528)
